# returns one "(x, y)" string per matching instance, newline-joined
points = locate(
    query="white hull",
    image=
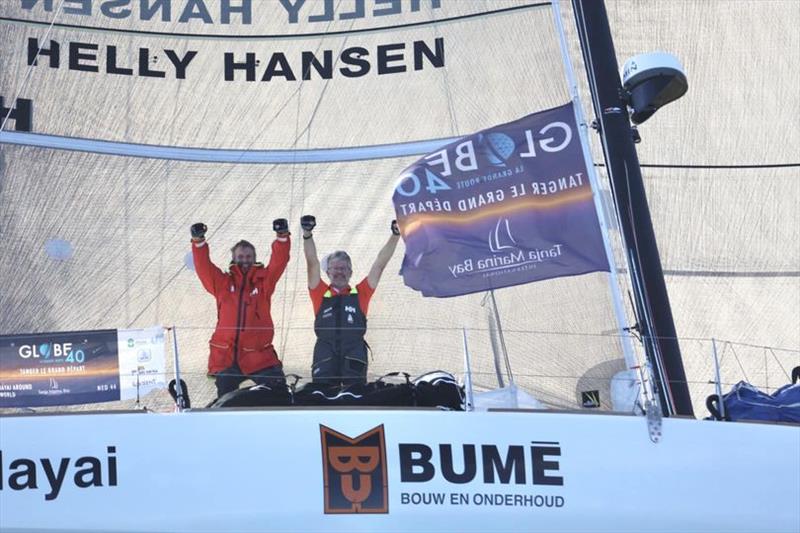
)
(257, 470)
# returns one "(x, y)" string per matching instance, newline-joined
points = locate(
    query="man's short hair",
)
(244, 243)
(339, 255)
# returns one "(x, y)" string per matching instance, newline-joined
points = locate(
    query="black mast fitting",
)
(653, 309)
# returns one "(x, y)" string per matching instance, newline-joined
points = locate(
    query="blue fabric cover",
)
(746, 402)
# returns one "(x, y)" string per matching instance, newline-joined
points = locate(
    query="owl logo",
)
(354, 472)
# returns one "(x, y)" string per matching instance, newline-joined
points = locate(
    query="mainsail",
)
(143, 119)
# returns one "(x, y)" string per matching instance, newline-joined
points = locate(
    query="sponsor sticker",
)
(354, 471)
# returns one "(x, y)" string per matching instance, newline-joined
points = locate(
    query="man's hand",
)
(395, 228)
(198, 231)
(281, 227)
(308, 223)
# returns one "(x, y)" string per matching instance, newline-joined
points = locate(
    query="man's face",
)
(244, 256)
(339, 273)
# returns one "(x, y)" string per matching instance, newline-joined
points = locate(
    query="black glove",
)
(308, 222)
(198, 231)
(280, 226)
(395, 228)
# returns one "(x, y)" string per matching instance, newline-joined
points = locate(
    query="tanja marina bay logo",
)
(506, 256)
(354, 471)
(501, 239)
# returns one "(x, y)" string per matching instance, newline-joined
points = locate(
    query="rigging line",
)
(143, 270)
(740, 365)
(284, 331)
(126, 210)
(221, 180)
(449, 94)
(729, 167)
(637, 262)
(319, 101)
(246, 196)
(182, 267)
(216, 184)
(165, 204)
(532, 387)
(634, 261)
(733, 274)
(30, 66)
(645, 296)
(616, 284)
(725, 345)
(774, 356)
(220, 225)
(292, 217)
(423, 23)
(723, 342)
(307, 132)
(297, 276)
(776, 348)
(164, 208)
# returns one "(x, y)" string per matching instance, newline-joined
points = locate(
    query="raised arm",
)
(279, 257)
(210, 275)
(308, 222)
(383, 257)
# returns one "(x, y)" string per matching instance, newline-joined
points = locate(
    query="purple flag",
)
(508, 205)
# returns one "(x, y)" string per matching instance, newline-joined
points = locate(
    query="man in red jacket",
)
(241, 345)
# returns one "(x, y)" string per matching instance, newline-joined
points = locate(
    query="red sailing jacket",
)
(244, 329)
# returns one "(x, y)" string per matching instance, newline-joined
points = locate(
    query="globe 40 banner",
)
(508, 205)
(76, 367)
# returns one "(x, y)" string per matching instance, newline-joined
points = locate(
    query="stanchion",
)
(179, 392)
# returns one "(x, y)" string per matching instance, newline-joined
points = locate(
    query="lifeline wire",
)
(30, 66)
(244, 199)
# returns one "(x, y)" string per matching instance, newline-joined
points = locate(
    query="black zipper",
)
(240, 319)
(337, 335)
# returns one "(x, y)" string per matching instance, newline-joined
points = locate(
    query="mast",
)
(622, 162)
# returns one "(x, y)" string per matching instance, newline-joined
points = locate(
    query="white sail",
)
(138, 119)
(727, 236)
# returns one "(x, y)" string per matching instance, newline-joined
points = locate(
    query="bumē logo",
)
(50, 475)
(354, 470)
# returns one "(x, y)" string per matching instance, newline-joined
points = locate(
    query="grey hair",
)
(340, 255)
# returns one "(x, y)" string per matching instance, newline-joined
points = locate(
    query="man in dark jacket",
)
(241, 345)
(340, 353)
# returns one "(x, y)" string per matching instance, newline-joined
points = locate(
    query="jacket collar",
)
(336, 292)
(253, 272)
